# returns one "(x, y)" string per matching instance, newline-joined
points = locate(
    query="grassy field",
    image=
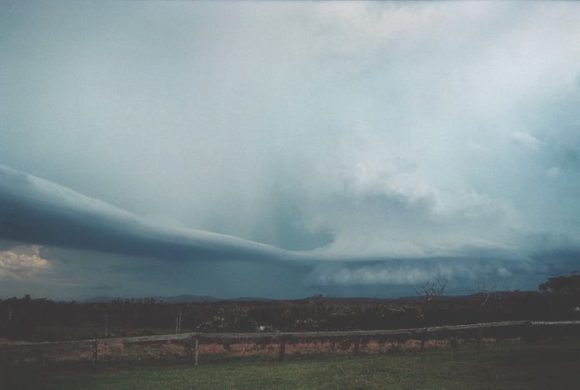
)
(508, 366)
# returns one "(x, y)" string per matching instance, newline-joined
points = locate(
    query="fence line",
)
(194, 339)
(292, 335)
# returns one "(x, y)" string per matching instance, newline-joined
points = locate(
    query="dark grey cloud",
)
(347, 145)
(36, 211)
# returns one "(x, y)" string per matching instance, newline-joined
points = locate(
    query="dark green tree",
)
(562, 285)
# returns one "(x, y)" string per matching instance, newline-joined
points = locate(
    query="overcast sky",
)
(281, 149)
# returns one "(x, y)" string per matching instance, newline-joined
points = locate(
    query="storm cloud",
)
(343, 146)
(36, 211)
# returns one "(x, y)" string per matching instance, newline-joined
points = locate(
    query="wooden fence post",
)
(282, 353)
(423, 337)
(195, 350)
(95, 345)
(454, 342)
(530, 333)
(356, 346)
(41, 358)
(107, 325)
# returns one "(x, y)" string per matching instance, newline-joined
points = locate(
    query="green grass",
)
(510, 366)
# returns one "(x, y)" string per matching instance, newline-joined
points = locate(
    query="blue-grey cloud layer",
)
(419, 132)
(36, 211)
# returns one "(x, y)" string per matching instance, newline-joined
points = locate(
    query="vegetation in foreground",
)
(508, 366)
(42, 319)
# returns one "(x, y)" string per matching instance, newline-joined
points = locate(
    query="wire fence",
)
(191, 346)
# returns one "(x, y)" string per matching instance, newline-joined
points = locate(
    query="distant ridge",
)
(171, 299)
(185, 298)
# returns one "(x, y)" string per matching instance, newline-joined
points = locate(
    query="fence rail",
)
(194, 339)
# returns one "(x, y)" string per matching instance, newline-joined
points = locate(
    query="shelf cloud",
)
(283, 149)
(36, 211)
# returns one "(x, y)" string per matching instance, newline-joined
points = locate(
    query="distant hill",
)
(185, 298)
(171, 299)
